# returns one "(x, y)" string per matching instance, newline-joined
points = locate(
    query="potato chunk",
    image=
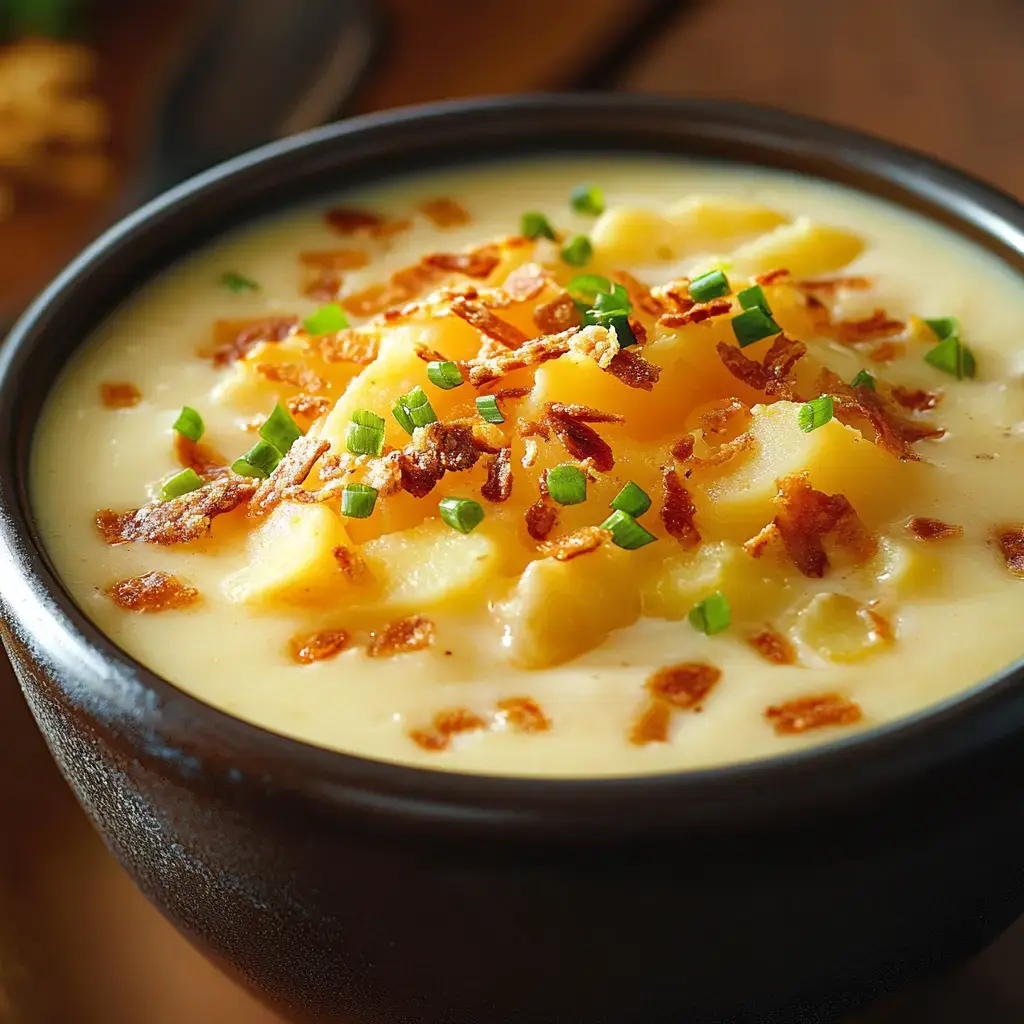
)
(804, 247)
(840, 629)
(627, 235)
(909, 568)
(707, 222)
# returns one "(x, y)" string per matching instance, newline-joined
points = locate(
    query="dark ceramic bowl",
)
(346, 890)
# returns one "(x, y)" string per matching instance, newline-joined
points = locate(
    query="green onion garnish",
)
(487, 406)
(632, 500)
(712, 285)
(626, 531)
(712, 615)
(260, 461)
(623, 332)
(611, 302)
(536, 225)
(445, 375)
(189, 423)
(404, 419)
(567, 484)
(357, 500)
(280, 429)
(235, 282)
(327, 319)
(815, 413)
(586, 287)
(587, 199)
(754, 297)
(577, 251)
(951, 355)
(418, 407)
(462, 514)
(181, 483)
(365, 434)
(863, 380)
(752, 325)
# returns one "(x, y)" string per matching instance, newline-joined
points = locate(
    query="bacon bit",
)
(435, 449)
(597, 343)
(683, 448)
(775, 276)
(933, 529)
(638, 329)
(784, 354)
(698, 312)
(540, 350)
(532, 428)
(829, 286)
(916, 399)
(652, 725)
(854, 331)
(633, 370)
(477, 315)
(319, 646)
(351, 563)
(684, 686)
(335, 259)
(324, 285)
(725, 452)
(1010, 540)
(179, 520)
(447, 724)
(524, 714)
(773, 647)
(415, 633)
(719, 419)
(882, 626)
(498, 486)
(293, 374)
(583, 413)
(804, 713)
(887, 351)
(771, 375)
(308, 407)
(639, 294)
(479, 262)
(677, 510)
(572, 545)
(348, 346)
(560, 314)
(526, 282)
(674, 296)
(758, 544)
(541, 519)
(807, 515)
(291, 471)
(569, 425)
(509, 394)
(403, 285)
(742, 368)
(197, 456)
(363, 222)
(153, 591)
(119, 394)
(445, 212)
(234, 338)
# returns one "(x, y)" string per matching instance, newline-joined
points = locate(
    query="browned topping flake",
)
(234, 338)
(878, 325)
(308, 407)
(758, 544)
(684, 686)
(725, 452)
(348, 346)
(572, 545)
(638, 329)
(925, 528)
(119, 394)
(718, 419)
(524, 714)
(404, 284)
(446, 724)
(776, 276)
(319, 646)
(541, 518)
(674, 297)
(350, 563)
(324, 285)
(652, 724)
(509, 394)
(335, 259)
(773, 647)
(882, 626)
(180, 520)
(639, 293)
(558, 315)
(479, 262)
(494, 366)
(199, 457)
(434, 450)
(916, 399)
(445, 212)
(414, 633)
(294, 374)
(364, 222)
(153, 591)
(677, 510)
(804, 713)
(772, 374)
(526, 282)
(291, 471)
(633, 370)
(477, 315)
(498, 486)
(683, 448)
(887, 351)
(569, 424)
(1010, 541)
(830, 285)
(696, 313)
(784, 354)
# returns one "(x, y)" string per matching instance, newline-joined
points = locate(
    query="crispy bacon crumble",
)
(678, 511)
(684, 686)
(652, 724)
(541, 519)
(152, 591)
(805, 713)
(414, 633)
(524, 714)
(572, 545)
(1010, 541)
(291, 471)
(560, 314)
(234, 338)
(444, 212)
(773, 646)
(570, 425)
(633, 370)
(925, 528)
(446, 724)
(120, 394)
(498, 486)
(319, 646)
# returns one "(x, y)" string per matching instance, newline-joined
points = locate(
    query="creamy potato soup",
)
(563, 467)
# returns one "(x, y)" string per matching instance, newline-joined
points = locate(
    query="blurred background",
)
(103, 102)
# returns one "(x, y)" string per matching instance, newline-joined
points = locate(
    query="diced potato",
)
(431, 565)
(840, 628)
(909, 568)
(736, 500)
(292, 559)
(561, 609)
(627, 235)
(804, 247)
(707, 222)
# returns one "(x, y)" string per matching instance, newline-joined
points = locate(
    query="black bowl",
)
(343, 889)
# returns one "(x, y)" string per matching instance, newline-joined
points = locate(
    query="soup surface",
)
(717, 464)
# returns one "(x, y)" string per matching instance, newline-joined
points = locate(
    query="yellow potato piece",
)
(292, 559)
(908, 568)
(706, 222)
(805, 248)
(560, 610)
(626, 235)
(839, 628)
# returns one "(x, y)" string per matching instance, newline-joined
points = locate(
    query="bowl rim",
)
(139, 708)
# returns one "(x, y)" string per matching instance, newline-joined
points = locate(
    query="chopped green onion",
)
(487, 406)
(626, 531)
(815, 413)
(567, 484)
(365, 418)
(951, 355)
(536, 225)
(189, 423)
(712, 285)
(445, 375)
(632, 499)
(418, 407)
(754, 298)
(462, 514)
(752, 325)
(280, 429)
(327, 319)
(614, 301)
(404, 420)
(181, 483)
(235, 282)
(365, 434)
(577, 251)
(623, 332)
(587, 199)
(863, 380)
(357, 500)
(260, 461)
(586, 287)
(712, 615)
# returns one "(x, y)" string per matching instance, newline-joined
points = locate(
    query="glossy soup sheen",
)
(540, 666)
